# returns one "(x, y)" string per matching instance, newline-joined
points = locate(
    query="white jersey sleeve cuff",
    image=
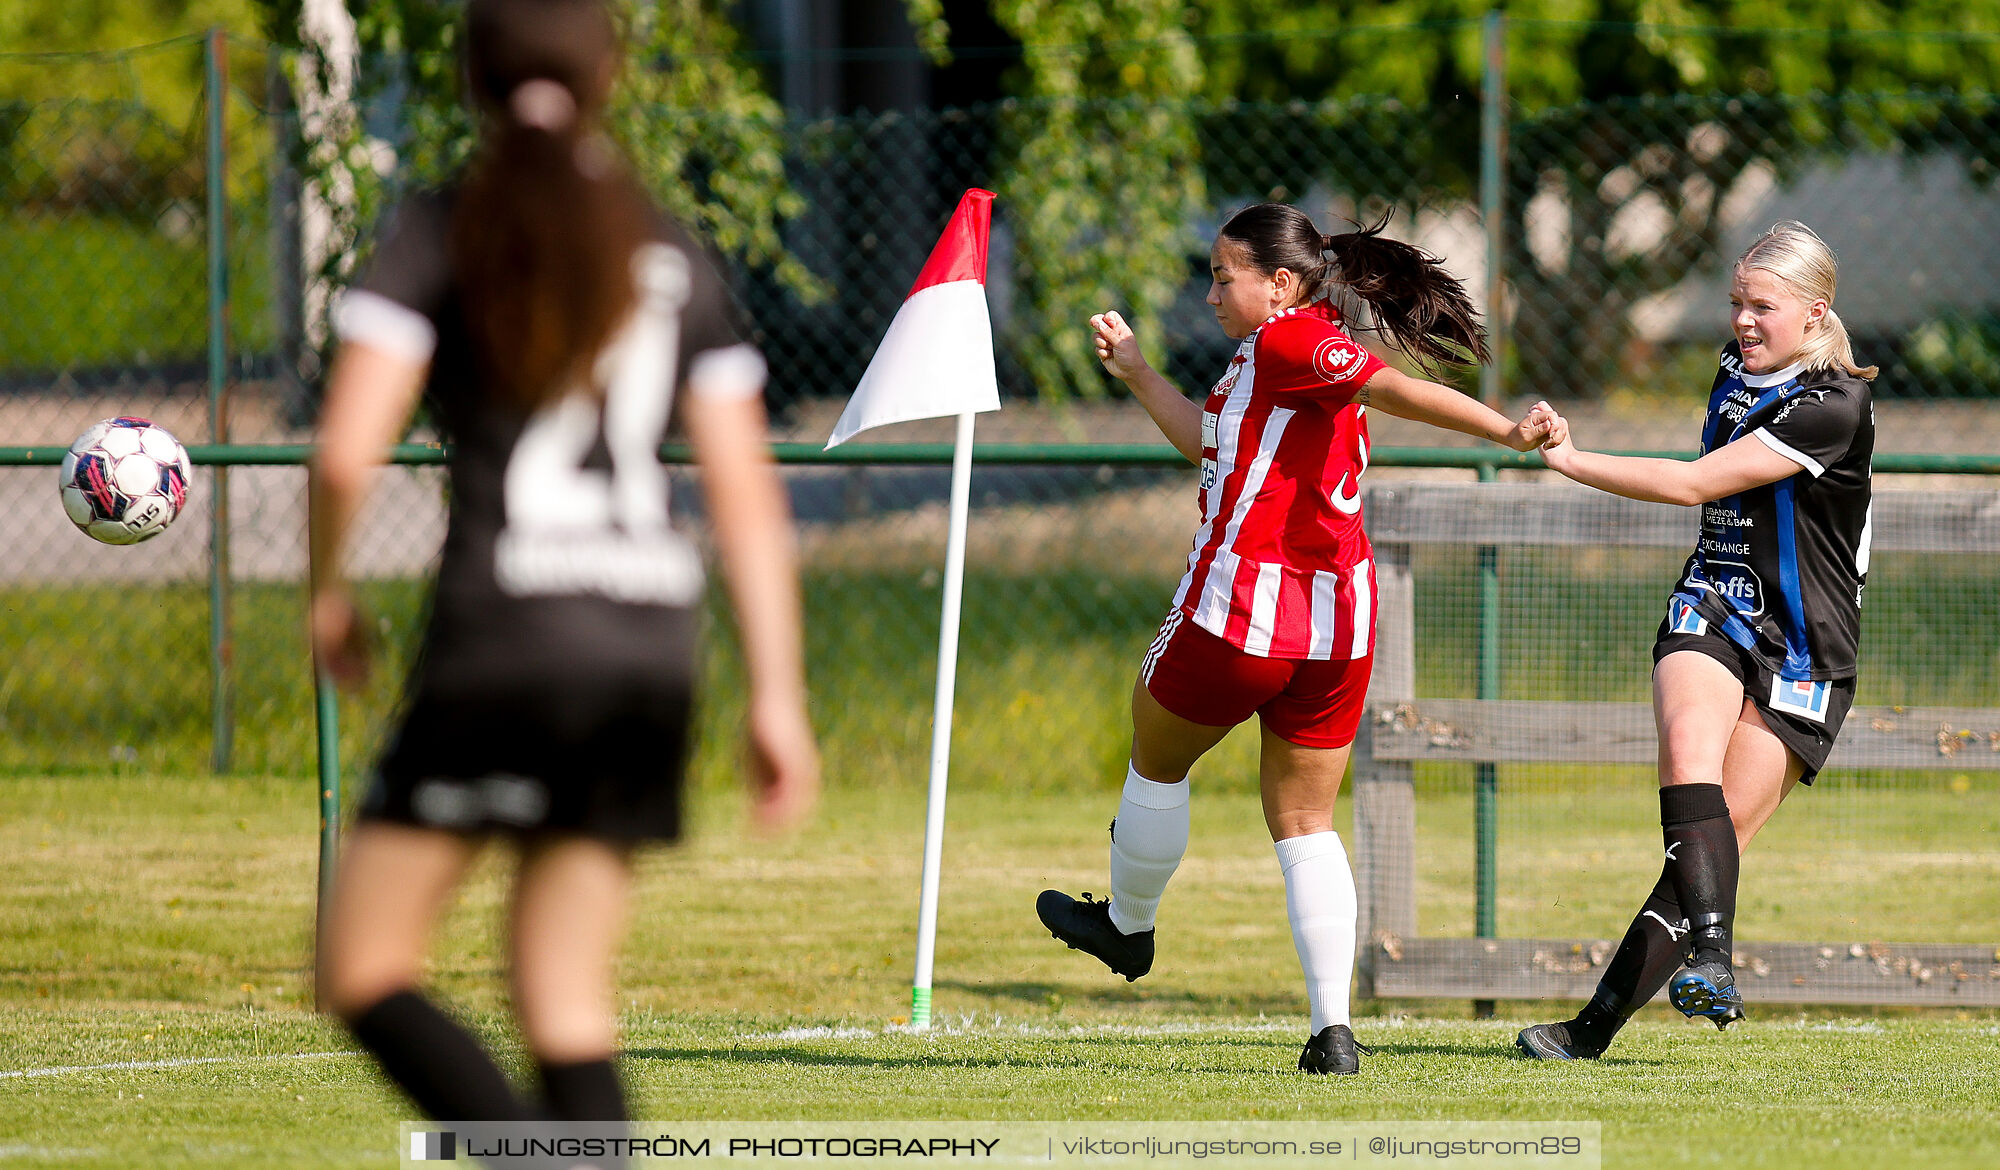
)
(1804, 460)
(734, 373)
(374, 320)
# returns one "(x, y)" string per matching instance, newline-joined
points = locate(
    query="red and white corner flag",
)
(936, 360)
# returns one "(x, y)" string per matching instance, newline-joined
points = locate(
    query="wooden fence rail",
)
(1401, 729)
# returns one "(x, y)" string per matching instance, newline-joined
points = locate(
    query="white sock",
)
(1319, 899)
(1146, 847)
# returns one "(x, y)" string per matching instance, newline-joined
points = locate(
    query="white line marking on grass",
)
(821, 1033)
(1143, 1030)
(1865, 1026)
(141, 1065)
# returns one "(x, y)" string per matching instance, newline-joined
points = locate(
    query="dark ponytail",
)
(1422, 308)
(547, 219)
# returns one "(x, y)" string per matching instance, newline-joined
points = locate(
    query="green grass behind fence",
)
(117, 676)
(93, 291)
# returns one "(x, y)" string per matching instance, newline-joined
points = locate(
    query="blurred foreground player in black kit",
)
(556, 320)
(1754, 664)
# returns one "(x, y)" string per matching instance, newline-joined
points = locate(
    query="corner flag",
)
(937, 358)
(935, 361)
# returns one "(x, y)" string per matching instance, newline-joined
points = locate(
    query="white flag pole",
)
(947, 678)
(936, 361)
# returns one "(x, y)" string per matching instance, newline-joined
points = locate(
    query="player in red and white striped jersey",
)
(1280, 566)
(1275, 616)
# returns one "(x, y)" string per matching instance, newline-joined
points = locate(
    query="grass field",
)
(166, 923)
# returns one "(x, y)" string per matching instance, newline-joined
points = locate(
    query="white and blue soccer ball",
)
(124, 480)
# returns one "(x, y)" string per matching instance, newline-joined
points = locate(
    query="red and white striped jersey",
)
(1281, 567)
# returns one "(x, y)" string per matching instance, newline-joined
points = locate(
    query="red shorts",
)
(1203, 679)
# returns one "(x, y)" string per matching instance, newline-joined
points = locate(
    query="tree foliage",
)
(1135, 120)
(1618, 109)
(1102, 194)
(1567, 51)
(89, 121)
(115, 51)
(102, 26)
(693, 115)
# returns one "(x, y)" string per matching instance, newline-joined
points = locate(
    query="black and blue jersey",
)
(1779, 569)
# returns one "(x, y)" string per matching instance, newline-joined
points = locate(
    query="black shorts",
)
(603, 761)
(1806, 717)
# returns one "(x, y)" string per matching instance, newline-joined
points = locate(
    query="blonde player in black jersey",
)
(550, 314)
(1755, 661)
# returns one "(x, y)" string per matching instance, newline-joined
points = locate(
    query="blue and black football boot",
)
(1708, 989)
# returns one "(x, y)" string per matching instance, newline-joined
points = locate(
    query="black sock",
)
(587, 1090)
(1645, 960)
(1702, 861)
(437, 1062)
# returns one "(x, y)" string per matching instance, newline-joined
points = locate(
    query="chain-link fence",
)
(1617, 223)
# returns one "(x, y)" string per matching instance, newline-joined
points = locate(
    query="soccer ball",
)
(124, 480)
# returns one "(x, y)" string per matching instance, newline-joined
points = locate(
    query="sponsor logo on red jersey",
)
(1337, 359)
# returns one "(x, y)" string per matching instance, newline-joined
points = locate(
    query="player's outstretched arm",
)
(1392, 391)
(753, 532)
(1178, 419)
(369, 396)
(1744, 464)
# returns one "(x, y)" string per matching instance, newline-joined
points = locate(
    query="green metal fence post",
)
(1485, 781)
(215, 70)
(1492, 210)
(327, 705)
(1493, 201)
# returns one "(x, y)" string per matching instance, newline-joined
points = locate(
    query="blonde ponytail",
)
(1829, 348)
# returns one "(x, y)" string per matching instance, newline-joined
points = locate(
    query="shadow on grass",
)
(1503, 1051)
(1026, 991)
(1115, 991)
(1088, 1057)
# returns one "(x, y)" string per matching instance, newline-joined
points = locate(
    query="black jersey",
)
(560, 568)
(1779, 569)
